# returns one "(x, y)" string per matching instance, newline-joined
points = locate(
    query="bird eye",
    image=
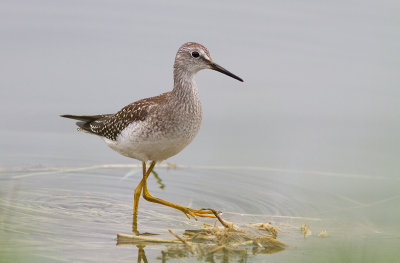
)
(195, 54)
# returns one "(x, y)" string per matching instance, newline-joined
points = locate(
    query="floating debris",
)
(323, 233)
(172, 165)
(306, 230)
(213, 241)
(269, 228)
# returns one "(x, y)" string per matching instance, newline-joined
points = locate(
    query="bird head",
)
(193, 57)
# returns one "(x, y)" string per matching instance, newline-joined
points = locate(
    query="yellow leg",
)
(138, 191)
(186, 210)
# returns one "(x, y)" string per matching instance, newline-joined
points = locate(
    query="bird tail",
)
(84, 120)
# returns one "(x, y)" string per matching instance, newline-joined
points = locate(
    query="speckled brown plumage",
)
(111, 125)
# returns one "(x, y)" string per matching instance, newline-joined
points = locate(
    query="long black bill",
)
(217, 67)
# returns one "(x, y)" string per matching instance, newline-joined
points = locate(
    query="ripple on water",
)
(234, 191)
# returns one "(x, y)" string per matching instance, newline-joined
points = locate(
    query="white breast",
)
(156, 139)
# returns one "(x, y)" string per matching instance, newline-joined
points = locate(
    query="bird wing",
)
(111, 125)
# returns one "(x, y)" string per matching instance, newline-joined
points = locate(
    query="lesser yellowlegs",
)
(156, 128)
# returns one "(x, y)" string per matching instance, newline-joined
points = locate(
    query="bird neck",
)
(185, 88)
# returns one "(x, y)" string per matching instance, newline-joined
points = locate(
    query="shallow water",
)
(74, 214)
(311, 136)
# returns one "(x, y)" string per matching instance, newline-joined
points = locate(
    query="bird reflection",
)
(159, 180)
(141, 254)
(223, 255)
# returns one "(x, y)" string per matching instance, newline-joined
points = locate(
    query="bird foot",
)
(198, 213)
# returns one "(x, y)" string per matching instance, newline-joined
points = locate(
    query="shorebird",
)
(156, 128)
